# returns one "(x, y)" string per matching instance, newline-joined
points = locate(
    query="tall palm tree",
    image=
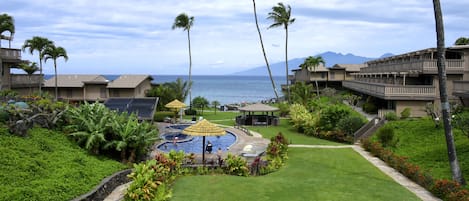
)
(7, 23)
(39, 44)
(281, 15)
(440, 40)
(312, 63)
(185, 22)
(263, 50)
(462, 41)
(52, 52)
(30, 69)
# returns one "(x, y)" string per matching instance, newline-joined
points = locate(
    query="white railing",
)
(387, 90)
(423, 66)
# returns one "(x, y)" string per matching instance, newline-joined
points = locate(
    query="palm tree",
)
(263, 51)
(281, 15)
(462, 41)
(52, 52)
(214, 105)
(7, 23)
(185, 22)
(30, 69)
(440, 40)
(312, 63)
(39, 44)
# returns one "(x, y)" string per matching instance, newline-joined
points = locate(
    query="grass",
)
(310, 174)
(425, 146)
(47, 166)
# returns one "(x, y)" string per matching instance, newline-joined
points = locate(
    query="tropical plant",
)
(169, 91)
(311, 63)
(185, 22)
(236, 165)
(350, 124)
(405, 113)
(39, 44)
(263, 50)
(462, 41)
(149, 182)
(53, 52)
(200, 102)
(460, 121)
(440, 37)
(7, 23)
(30, 69)
(281, 16)
(302, 93)
(215, 104)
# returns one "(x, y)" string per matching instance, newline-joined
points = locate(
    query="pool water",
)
(195, 145)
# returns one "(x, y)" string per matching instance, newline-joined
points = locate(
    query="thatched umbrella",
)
(176, 105)
(204, 128)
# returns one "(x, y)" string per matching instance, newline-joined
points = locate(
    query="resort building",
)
(409, 80)
(22, 83)
(326, 77)
(97, 87)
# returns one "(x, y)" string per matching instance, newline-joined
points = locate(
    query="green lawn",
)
(310, 174)
(425, 146)
(47, 166)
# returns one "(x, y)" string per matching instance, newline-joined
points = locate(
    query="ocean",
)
(229, 89)
(225, 89)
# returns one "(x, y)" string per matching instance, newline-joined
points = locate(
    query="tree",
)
(30, 69)
(200, 102)
(169, 91)
(52, 52)
(263, 51)
(445, 107)
(302, 93)
(281, 15)
(312, 63)
(185, 22)
(7, 23)
(215, 104)
(39, 44)
(462, 41)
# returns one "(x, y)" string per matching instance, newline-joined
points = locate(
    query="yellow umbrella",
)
(204, 128)
(177, 105)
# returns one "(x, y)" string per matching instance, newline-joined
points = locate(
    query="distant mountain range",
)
(331, 58)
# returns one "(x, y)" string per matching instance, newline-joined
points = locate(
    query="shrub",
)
(3, 115)
(236, 165)
(369, 108)
(284, 109)
(350, 124)
(149, 182)
(449, 190)
(405, 113)
(160, 116)
(190, 112)
(386, 136)
(390, 116)
(331, 115)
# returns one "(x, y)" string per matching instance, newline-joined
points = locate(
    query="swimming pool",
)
(194, 145)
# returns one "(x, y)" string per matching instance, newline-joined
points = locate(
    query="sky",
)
(135, 36)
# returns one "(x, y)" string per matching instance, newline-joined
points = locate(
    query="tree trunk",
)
(263, 51)
(132, 156)
(123, 156)
(316, 82)
(286, 63)
(30, 87)
(41, 76)
(190, 68)
(445, 109)
(56, 88)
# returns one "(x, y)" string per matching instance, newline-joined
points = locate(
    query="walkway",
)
(419, 191)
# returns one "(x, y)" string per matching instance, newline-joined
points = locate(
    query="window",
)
(332, 75)
(102, 92)
(323, 75)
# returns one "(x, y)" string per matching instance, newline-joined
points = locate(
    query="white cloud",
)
(135, 36)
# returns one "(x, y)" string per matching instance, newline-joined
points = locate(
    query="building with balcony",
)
(97, 88)
(326, 77)
(411, 80)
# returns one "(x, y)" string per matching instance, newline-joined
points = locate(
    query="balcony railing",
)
(6, 53)
(393, 92)
(22, 80)
(461, 88)
(422, 66)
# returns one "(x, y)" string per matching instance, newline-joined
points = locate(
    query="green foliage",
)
(369, 108)
(200, 103)
(449, 190)
(390, 116)
(149, 182)
(386, 136)
(169, 91)
(48, 166)
(460, 121)
(236, 165)
(160, 116)
(8, 93)
(284, 109)
(352, 99)
(301, 118)
(190, 112)
(329, 92)
(302, 93)
(3, 115)
(215, 105)
(405, 113)
(350, 124)
(331, 115)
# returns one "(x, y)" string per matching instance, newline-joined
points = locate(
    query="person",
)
(219, 154)
(209, 147)
(175, 140)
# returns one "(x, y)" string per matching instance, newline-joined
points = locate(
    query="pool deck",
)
(258, 144)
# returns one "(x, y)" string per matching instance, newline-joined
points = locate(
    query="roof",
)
(128, 81)
(319, 68)
(350, 67)
(258, 107)
(74, 80)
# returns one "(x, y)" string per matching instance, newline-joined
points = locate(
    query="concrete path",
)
(419, 191)
(118, 193)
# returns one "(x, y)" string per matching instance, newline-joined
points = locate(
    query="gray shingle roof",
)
(74, 80)
(128, 81)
